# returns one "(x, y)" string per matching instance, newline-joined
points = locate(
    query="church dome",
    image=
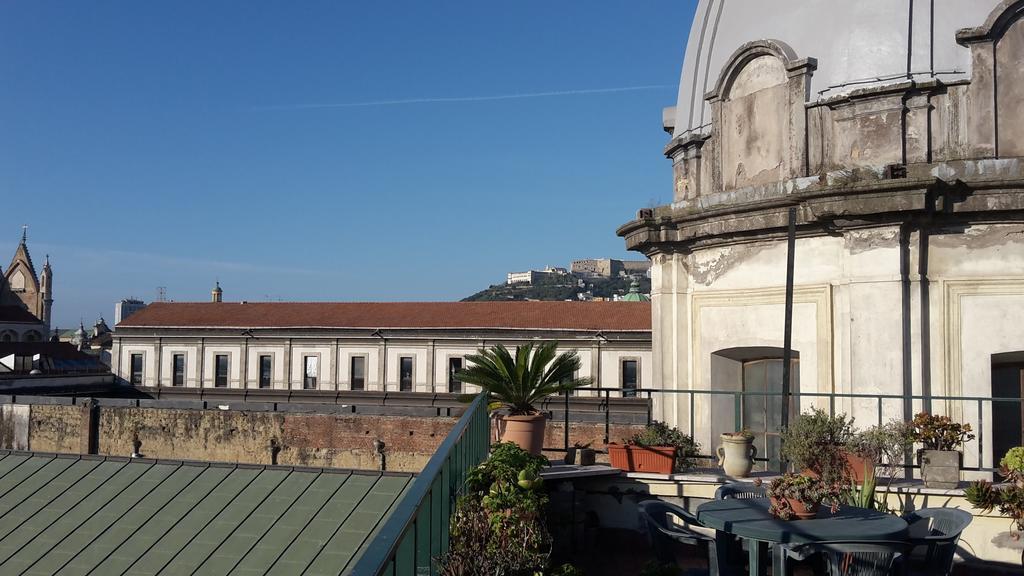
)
(856, 44)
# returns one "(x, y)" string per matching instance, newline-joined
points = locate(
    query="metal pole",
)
(787, 338)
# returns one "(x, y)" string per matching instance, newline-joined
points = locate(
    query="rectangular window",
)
(405, 374)
(137, 369)
(220, 377)
(454, 384)
(309, 371)
(357, 373)
(178, 370)
(629, 378)
(266, 363)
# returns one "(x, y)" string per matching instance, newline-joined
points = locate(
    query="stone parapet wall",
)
(303, 438)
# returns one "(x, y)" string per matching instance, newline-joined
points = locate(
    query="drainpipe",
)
(787, 337)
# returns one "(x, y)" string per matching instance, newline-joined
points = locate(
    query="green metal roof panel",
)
(71, 515)
(185, 530)
(369, 513)
(200, 492)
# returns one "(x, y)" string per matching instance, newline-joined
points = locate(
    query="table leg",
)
(724, 562)
(758, 554)
(778, 560)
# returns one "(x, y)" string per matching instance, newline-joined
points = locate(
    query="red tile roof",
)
(610, 316)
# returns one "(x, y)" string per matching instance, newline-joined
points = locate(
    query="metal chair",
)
(737, 547)
(944, 527)
(739, 490)
(856, 558)
(662, 532)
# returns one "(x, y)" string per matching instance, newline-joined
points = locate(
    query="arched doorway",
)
(757, 372)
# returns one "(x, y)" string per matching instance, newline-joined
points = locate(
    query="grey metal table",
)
(748, 518)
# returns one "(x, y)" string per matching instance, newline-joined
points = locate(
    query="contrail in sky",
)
(582, 92)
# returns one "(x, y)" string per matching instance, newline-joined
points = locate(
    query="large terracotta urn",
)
(525, 431)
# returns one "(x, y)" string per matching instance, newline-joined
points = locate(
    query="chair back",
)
(661, 533)
(945, 525)
(856, 558)
(739, 490)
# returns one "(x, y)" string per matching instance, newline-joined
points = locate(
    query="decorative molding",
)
(751, 50)
(954, 292)
(819, 294)
(995, 25)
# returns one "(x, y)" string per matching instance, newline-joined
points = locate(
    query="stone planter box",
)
(940, 468)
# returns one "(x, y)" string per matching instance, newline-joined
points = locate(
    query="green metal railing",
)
(416, 532)
(903, 405)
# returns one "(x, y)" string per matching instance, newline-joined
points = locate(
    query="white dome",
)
(856, 44)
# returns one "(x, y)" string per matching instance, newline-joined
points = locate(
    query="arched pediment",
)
(751, 51)
(1005, 14)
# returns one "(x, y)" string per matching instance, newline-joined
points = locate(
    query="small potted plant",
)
(940, 458)
(517, 383)
(815, 443)
(1009, 499)
(737, 452)
(588, 456)
(798, 496)
(874, 454)
(578, 448)
(658, 448)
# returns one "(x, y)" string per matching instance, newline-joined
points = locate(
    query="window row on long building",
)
(412, 347)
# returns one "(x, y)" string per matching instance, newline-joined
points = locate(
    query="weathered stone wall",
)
(303, 439)
(54, 428)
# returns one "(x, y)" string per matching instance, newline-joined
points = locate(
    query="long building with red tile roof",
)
(382, 346)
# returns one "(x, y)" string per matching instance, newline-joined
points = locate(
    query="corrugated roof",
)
(63, 514)
(608, 316)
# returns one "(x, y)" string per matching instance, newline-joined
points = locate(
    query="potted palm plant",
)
(940, 458)
(517, 383)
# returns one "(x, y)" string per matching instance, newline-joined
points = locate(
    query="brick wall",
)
(327, 440)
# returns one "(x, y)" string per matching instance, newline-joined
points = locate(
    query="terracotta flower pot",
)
(526, 431)
(858, 466)
(799, 510)
(652, 459)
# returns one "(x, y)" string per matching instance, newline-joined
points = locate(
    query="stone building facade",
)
(392, 346)
(21, 287)
(895, 131)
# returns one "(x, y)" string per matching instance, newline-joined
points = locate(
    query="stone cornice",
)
(826, 210)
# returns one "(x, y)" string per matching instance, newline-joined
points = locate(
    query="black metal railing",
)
(972, 410)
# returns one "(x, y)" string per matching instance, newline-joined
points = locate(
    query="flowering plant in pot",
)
(517, 383)
(1008, 499)
(940, 457)
(798, 496)
(499, 525)
(880, 451)
(737, 452)
(816, 442)
(658, 448)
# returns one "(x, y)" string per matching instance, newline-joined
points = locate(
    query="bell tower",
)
(46, 293)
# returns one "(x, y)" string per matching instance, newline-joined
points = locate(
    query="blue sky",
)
(327, 150)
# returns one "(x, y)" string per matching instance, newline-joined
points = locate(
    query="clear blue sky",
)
(275, 148)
